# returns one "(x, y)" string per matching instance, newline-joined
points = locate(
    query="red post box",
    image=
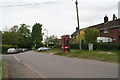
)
(65, 43)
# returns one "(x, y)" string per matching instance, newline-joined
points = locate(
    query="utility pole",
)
(78, 29)
(47, 36)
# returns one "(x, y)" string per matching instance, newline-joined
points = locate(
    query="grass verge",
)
(4, 71)
(0, 69)
(106, 56)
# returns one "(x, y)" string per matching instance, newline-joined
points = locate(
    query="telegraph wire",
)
(28, 4)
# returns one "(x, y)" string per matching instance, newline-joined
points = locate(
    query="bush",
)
(58, 46)
(76, 46)
(84, 46)
(6, 47)
(97, 46)
(107, 46)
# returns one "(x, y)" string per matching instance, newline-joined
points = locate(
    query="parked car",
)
(104, 39)
(18, 50)
(43, 48)
(49, 48)
(11, 50)
(21, 50)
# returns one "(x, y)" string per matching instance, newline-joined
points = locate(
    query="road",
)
(37, 65)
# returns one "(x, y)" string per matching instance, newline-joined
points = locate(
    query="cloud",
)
(58, 16)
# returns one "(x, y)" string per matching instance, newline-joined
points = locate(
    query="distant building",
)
(109, 29)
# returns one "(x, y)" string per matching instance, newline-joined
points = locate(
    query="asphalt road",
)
(37, 65)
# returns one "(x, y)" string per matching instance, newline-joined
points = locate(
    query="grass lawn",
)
(0, 69)
(4, 72)
(106, 56)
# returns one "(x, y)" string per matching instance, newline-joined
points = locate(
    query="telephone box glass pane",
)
(66, 49)
(66, 42)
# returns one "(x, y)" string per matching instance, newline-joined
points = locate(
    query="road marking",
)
(36, 72)
(16, 58)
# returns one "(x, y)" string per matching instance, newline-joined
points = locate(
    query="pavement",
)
(40, 65)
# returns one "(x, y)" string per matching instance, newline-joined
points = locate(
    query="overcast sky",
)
(57, 16)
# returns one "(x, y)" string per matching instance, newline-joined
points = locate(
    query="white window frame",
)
(106, 31)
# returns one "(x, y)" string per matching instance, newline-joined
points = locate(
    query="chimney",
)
(105, 19)
(114, 17)
(77, 28)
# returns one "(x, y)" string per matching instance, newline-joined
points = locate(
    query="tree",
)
(0, 37)
(10, 38)
(24, 31)
(91, 34)
(82, 37)
(37, 35)
(25, 36)
(14, 28)
(51, 40)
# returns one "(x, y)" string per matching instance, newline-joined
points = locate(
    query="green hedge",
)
(76, 46)
(6, 47)
(96, 46)
(107, 46)
(58, 46)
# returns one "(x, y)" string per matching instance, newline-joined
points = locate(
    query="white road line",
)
(38, 73)
(16, 58)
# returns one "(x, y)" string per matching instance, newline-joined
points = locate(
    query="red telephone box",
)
(65, 43)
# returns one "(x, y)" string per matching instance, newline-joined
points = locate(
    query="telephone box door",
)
(65, 43)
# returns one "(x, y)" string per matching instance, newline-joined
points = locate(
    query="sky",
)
(57, 16)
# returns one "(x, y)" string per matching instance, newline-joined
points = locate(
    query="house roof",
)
(102, 26)
(110, 24)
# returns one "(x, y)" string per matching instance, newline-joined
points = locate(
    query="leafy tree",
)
(25, 36)
(14, 28)
(37, 35)
(51, 40)
(0, 37)
(82, 37)
(10, 38)
(91, 34)
(24, 31)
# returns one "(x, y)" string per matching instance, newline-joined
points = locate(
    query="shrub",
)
(58, 46)
(84, 46)
(107, 46)
(6, 47)
(97, 46)
(76, 46)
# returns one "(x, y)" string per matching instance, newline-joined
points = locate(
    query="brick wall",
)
(112, 33)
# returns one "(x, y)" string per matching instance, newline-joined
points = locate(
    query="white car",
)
(11, 50)
(104, 39)
(43, 49)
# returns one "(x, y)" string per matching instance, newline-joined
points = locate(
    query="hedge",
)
(6, 47)
(58, 46)
(107, 46)
(74, 46)
(96, 46)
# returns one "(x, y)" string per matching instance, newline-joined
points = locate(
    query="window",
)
(67, 42)
(106, 31)
(66, 49)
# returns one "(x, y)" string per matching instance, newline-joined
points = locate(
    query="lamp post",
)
(78, 31)
(47, 36)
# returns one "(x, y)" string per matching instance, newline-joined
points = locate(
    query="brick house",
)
(109, 29)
